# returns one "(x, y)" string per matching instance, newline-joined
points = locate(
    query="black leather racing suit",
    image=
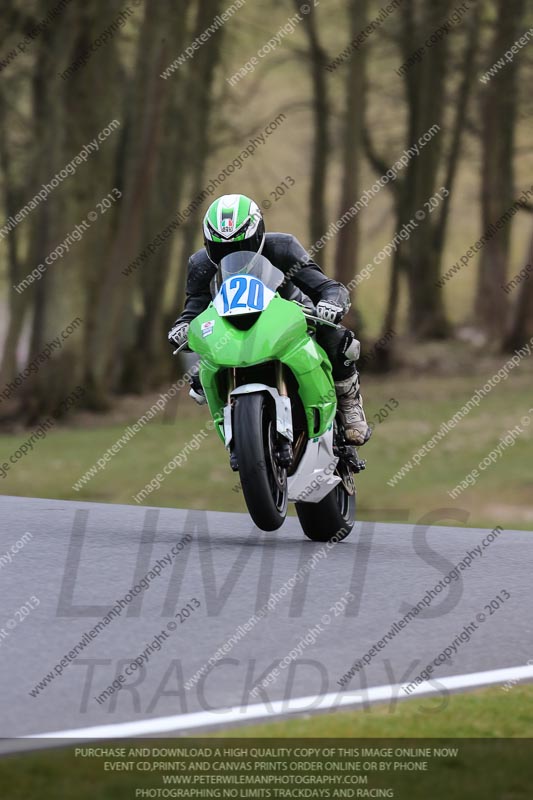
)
(305, 282)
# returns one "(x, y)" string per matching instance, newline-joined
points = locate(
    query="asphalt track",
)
(83, 557)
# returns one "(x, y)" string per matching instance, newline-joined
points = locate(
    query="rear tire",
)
(264, 483)
(330, 519)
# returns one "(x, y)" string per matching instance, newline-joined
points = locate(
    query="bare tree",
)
(498, 115)
(321, 113)
(427, 90)
(520, 330)
(352, 139)
(108, 341)
(17, 264)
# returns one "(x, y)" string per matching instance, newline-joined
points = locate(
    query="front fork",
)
(232, 381)
(284, 451)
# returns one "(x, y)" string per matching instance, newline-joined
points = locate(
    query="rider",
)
(235, 223)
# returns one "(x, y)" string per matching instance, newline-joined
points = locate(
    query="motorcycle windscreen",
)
(247, 283)
(248, 263)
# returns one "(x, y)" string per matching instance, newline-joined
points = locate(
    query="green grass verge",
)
(501, 496)
(493, 770)
(492, 713)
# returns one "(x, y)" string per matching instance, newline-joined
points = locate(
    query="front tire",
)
(330, 519)
(263, 481)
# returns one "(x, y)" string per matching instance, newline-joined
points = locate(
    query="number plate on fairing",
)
(242, 294)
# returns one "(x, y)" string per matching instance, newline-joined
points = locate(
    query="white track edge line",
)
(327, 702)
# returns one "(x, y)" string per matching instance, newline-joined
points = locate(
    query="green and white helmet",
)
(233, 223)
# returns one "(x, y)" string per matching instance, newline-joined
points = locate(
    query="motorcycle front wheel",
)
(263, 481)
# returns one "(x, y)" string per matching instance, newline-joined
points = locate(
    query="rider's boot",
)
(350, 407)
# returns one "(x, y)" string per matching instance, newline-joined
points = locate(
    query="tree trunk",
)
(498, 112)
(321, 112)
(57, 297)
(17, 303)
(469, 73)
(107, 343)
(521, 329)
(190, 146)
(427, 317)
(348, 237)
(419, 255)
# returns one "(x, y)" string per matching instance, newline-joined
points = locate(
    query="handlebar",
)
(307, 314)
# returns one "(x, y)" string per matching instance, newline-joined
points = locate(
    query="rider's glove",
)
(179, 334)
(330, 312)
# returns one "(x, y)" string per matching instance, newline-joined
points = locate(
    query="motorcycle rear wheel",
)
(331, 519)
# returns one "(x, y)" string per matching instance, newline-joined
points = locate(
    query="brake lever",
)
(180, 348)
(322, 321)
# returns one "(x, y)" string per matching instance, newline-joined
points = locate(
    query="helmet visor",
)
(219, 250)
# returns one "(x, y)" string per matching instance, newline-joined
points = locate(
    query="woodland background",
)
(345, 126)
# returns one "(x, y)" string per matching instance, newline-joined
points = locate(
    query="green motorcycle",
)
(270, 391)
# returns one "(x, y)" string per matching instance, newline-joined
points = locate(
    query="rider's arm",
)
(198, 295)
(307, 276)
